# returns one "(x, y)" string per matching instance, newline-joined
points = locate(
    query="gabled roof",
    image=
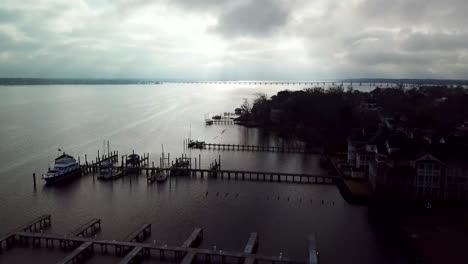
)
(427, 157)
(63, 156)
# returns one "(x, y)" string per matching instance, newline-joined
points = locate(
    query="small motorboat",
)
(106, 170)
(161, 175)
(196, 144)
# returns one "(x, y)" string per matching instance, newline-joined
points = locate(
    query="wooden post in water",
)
(199, 161)
(34, 179)
(86, 162)
(219, 162)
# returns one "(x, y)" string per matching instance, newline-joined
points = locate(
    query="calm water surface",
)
(38, 120)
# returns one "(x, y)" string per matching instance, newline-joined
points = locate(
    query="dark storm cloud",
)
(203, 5)
(276, 39)
(433, 13)
(257, 18)
(436, 41)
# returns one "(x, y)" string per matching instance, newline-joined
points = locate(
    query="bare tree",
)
(246, 106)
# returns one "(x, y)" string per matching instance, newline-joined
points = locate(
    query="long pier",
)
(83, 247)
(265, 148)
(265, 176)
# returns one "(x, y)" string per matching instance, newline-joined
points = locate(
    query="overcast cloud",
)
(242, 39)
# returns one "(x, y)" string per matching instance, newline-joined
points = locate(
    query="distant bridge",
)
(344, 83)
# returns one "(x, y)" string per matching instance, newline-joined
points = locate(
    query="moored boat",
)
(106, 170)
(196, 144)
(65, 167)
(161, 176)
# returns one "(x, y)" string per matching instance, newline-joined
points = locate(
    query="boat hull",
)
(63, 177)
(161, 178)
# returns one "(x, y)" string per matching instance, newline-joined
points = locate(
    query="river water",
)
(36, 121)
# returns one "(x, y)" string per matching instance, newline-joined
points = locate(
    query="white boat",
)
(106, 170)
(161, 176)
(65, 167)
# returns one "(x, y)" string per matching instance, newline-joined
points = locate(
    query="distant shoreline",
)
(45, 81)
(126, 81)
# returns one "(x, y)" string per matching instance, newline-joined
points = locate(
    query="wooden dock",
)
(192, 241)
(223, 122)
(251, 247)
(134, 256)
(257, 148)
(265, 176)
(90, 228)
(37, 224)
(140, 234)
(83, 247)
(313, 252)
(119, 247)
(80, 254)
(137, 253)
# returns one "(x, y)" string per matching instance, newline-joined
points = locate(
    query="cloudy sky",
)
(234, 40)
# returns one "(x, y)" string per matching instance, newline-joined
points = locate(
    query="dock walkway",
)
(264, 148)
(90, 228)
(267, 176)
(34, 225)
(192, 241)
(50, 240)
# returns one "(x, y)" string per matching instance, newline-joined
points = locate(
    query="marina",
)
(183, 167)
(186, 200)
